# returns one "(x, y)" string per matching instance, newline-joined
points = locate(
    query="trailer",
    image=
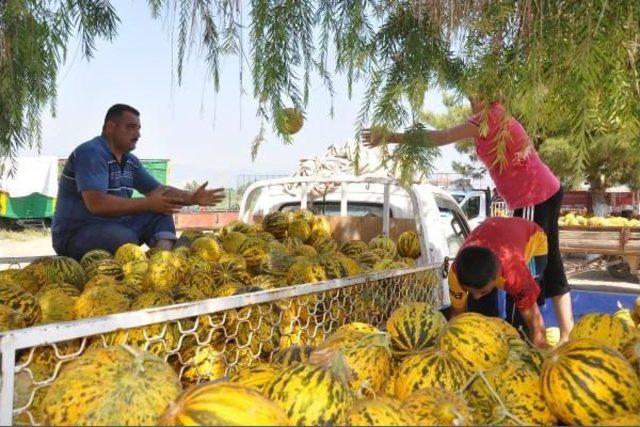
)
(619, 245)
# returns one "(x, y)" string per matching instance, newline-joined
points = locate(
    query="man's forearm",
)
(535, 322)
(113, 206)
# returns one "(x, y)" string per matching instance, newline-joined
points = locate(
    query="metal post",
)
(303, 197)
(343, 200)
(6, 384)
(386, 210)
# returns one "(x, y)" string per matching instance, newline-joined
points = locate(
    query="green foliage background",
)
(569, 68)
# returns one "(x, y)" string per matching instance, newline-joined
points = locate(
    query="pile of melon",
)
(285, 249)
(418, 369)
(574, 220)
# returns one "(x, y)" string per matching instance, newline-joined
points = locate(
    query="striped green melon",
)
(350, 266)
(14, 297)
(276, 223)
(265, 281)
(237, 226)
(66, 270)
(182, 294)
(68, 289)
(368, 259)
(100, 301)
(366, 355)
(293, 354)
(151, 299)
(38, 269)
(276, 263)
(111, 386)
(625, 315)
(325, 244)
(236, 259)
(100, 281)
(585, 382)
(92, 256)
(518, 388)
(10, 319)
(232, 242)
(331, 264)
(311, 395)
(257, 328)
(106, 267)
(320, 224)
(474, 340)
(292, 244)
(299, 228)
(305, 272)
(409, 245)
(427, 369)
(56, 306)
(204, 362)
(628, 419)
(163, 272)
(437, 407)
(229, 273)
(357, 326)
(353, 248)
(305, 214)
(414, 326)
(135, 268)
(385, 245)
(206, 248)
(129, 252)
(257, 376)
(22, 277)
(631, 351)
(223, 404)
(604, 328)
(201, 281)
(254, 251)
(378, 412)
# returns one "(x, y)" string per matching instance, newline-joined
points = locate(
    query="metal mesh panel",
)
(216, 344)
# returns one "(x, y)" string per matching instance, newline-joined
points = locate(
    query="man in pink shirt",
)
(527, 185)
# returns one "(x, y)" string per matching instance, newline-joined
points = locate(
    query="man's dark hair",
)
(476, 266)
(116, 111)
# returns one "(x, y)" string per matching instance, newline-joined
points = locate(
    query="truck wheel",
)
(622, 271)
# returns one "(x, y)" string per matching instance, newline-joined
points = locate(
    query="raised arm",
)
(201, 196)
(373, 137)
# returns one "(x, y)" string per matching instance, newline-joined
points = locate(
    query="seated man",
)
(94, 208)
(502, 253)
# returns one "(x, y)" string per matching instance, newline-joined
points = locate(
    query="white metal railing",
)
(313, 309)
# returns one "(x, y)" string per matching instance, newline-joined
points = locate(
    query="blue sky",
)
(206, 135)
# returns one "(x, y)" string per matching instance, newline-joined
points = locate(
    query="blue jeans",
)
(110, 235)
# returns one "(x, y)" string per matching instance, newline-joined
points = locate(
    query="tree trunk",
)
(598, 200)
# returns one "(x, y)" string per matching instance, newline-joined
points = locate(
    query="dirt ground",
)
(32, 243)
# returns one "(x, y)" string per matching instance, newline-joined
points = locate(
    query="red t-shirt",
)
(520, 182)
(514, 241)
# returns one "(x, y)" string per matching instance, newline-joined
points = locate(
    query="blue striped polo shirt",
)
(92, 166)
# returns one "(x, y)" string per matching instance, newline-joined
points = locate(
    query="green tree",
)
(33, 44)
(557, 63)
(611, 160)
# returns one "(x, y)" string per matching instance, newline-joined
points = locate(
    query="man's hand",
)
(160, 202)
(203, 197)
(376, 136)
(535, 323)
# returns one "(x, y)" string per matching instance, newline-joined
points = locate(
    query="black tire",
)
(621, 270)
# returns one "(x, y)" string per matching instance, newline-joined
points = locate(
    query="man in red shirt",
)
(502, 253)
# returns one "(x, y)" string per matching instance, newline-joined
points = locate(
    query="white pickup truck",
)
(361, 208)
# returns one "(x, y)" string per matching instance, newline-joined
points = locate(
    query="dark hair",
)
(476, 266)
(115, 111)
